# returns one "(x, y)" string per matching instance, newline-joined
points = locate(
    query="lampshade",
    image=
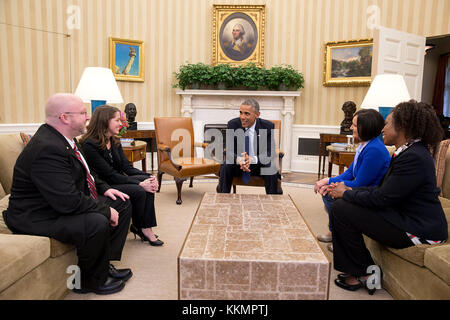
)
(98, 84)
(386, 90)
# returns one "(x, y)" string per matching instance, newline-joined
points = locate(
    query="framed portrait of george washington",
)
(238, 34)
(126, 59)
(348, 63)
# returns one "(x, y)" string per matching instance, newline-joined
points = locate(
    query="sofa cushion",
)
(25, 137)
(19, 254)
(3, 206)
(445, 203)
(2, 192)
(414, 254)
(437, 259)
(445, 188)
(11, 146)
(440, 156)
(58, 248)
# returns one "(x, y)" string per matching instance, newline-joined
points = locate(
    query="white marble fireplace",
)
(219, 106)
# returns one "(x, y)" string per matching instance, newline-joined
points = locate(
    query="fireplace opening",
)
(222, 127)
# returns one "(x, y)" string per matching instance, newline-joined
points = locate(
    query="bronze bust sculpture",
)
(349, 108)
(131, 112)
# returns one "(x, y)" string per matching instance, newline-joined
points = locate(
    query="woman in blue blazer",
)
(403, 210)
(369, 165)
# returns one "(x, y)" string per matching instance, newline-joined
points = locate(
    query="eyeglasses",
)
(82, 113)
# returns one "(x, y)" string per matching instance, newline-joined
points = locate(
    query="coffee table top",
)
(251, 227)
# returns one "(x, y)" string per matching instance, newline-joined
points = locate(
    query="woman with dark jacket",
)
(105, 156)
(403, 210)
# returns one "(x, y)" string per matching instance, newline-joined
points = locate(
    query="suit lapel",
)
(256, 136)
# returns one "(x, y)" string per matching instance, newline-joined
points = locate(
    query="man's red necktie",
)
(90, 181)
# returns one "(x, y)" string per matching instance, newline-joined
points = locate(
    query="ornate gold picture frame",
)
(348, 63)
(126, 59)
(238, 34)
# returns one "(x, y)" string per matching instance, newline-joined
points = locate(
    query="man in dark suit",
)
(54, 194)
(255, 134)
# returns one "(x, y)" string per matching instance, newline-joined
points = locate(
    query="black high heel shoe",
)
(144, 238)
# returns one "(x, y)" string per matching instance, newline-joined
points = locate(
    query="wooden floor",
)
(291, 177)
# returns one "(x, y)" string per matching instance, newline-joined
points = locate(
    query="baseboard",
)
(308, 163)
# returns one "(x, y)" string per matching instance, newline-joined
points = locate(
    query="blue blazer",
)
(373, 162)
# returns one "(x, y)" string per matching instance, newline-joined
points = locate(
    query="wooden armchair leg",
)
(234, 188)
(159, 180)
(190, 184)
(179, 183)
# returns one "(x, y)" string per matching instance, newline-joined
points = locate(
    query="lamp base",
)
(96, 103)
(385, 111)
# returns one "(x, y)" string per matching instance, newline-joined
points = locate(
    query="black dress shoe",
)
(353, 287)
(156, 243)
(343, 276)
(121, 274)
(110, 286)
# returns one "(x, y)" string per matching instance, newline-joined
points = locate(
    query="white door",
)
(398, 52)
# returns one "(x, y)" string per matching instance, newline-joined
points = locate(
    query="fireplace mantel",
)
(220, 106)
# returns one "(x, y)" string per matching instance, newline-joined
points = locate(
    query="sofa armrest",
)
(437, 259)
(3, 206)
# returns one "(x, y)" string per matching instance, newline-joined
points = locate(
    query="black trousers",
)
(143, 203)
(228, 171)
(350, 222)
(96, 241)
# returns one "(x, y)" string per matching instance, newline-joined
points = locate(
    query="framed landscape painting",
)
(348, 63)
(126, 59)
(238, 34)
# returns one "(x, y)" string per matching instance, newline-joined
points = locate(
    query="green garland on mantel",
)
(243, 77)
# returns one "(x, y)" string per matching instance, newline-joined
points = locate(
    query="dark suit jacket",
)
(261, 152)
(114, 169)
(49, 182)
(407, 196)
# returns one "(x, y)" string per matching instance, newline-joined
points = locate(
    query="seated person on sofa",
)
(54, 194)
(403, 210)
(369, 165)
(253, 150)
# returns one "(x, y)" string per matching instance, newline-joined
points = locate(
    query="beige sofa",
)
(31, 267)
(423, 271)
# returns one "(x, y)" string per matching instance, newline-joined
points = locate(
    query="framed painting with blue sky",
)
(126, 59)
(348, 63)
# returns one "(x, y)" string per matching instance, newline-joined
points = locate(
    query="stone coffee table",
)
(249, 247)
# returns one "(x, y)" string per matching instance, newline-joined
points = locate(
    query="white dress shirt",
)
(251, 135)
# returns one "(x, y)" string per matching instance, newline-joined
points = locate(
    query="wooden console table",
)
(340, 158)
(142, 134)
(136, 153)
(325, 140)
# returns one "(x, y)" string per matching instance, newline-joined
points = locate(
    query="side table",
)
(136, 153)
(325, 140)
(340, 158)
(143, 134)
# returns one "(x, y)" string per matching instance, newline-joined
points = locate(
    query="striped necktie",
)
(245, 174)
(90, 181)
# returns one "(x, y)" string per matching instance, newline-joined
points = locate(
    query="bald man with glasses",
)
(55, 194)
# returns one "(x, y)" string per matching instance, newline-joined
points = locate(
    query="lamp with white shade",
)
(385, 92)
(98, 86)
